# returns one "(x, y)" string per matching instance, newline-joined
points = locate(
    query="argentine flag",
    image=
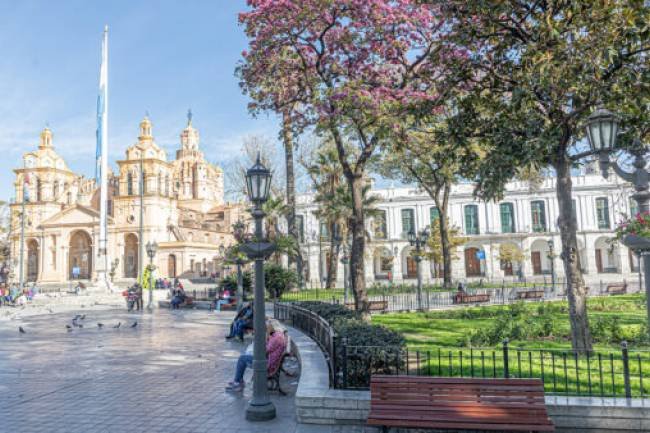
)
(102, 106)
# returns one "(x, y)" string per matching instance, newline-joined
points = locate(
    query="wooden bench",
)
(464, 298)
(372, 306)
(616, 289)
(458, 404)
(530, 294)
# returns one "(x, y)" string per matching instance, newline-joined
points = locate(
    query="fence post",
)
(626, 370)
(506, 367)
(344, 342)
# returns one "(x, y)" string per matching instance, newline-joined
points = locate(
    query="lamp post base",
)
(265, 412)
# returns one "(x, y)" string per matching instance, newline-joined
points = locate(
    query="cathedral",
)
(179, 203)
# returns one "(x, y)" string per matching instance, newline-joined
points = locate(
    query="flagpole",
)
(102, 136)
(22, 236)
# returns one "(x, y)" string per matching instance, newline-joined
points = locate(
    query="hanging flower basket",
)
(635, 232)
(636, 243)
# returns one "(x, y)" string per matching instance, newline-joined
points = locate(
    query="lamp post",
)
(602, 130)
(551, 257)
(418, 241)
(345, 260)
(258, 182)
(152, 247)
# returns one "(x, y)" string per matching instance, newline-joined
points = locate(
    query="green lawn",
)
(439, 344)
(450, 328)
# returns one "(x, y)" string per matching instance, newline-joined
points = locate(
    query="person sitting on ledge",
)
(242, 321)
(178, 296)
(276, 345)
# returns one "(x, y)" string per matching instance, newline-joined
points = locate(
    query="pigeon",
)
(68, 327)
(82, 317)
(80, 325)
(22, 331)
(134, 324)
(100, 325)
(118, 325)
(76, 317)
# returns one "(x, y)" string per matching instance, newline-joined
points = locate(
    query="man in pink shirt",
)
(276, 344)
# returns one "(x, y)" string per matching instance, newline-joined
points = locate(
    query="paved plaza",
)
(168, 374)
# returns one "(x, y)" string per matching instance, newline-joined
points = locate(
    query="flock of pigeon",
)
(76, 324)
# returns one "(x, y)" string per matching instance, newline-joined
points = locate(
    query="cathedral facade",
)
(179, 203)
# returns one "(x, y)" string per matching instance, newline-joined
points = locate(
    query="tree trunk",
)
(333, 259)
(291, 193)
(576, 290)
(444, 238)
(357, 259)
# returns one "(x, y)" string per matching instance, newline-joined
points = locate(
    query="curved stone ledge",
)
(317, 403)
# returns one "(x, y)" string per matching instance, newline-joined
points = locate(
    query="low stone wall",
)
(317, 403)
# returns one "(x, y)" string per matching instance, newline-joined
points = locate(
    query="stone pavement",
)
(166, 375)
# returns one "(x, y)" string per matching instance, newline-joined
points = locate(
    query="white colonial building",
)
(526, 218)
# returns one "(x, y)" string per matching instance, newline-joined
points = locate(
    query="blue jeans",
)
(243, 362)
(239, 328)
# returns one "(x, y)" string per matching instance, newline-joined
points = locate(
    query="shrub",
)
(278, 280)
(230, 282)
(370, 348)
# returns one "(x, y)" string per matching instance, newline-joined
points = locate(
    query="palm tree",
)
(334, 201)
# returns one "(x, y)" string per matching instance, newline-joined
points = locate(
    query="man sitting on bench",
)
(242, 321)
(222, 299)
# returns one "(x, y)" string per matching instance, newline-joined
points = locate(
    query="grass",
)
(450, 328)
(437, 344)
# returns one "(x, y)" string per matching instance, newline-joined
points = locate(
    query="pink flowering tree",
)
(346, 69)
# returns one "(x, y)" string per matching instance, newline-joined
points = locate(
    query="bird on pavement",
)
(118, 325)
(21, 330)
(100, 325)
(68, 327)
(80, 325)
(82, 317)
(134, 324)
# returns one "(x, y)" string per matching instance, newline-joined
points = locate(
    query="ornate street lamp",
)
(602, 130)
(152, 247)
(551, 257)
(418, 241)
(258, 182)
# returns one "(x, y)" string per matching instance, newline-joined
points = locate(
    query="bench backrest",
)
(426, 391)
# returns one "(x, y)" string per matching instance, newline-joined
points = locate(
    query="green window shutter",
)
(507, 218)
(407, 221)
(538, 214)
(434, 214)
(471, 220)
(602, 212)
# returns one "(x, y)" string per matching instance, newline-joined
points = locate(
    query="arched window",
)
(38, 189)
(129, 184)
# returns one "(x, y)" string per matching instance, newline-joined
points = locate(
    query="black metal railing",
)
(616, 373)
(313, 325)
(398, 299)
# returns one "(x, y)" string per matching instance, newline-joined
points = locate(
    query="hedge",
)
(358, 361)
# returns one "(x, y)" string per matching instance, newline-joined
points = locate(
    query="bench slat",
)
(458, 403)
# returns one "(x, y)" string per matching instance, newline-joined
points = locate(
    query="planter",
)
(636, 243)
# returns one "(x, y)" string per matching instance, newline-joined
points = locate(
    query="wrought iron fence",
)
(310, 323)
(621, 373)
(390, 300)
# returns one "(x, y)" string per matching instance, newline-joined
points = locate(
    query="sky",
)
(165, 57)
